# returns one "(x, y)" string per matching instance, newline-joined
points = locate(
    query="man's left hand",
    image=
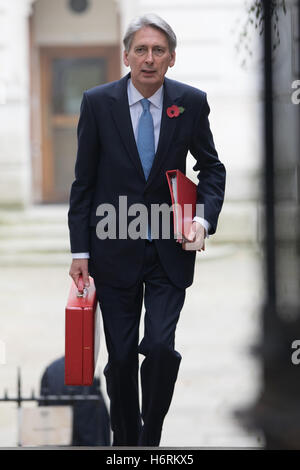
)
(196, 238)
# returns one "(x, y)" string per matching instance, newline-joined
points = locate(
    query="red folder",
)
(81, 334)
(184, 196)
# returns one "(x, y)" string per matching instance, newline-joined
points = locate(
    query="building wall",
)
(14, 104)
(207, 31)
(55, 23)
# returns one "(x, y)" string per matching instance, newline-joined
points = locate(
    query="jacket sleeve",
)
(83, 187)
(211, 172)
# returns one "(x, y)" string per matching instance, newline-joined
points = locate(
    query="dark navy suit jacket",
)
(108, 166)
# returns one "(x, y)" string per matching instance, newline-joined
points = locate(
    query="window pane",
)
(71, 77)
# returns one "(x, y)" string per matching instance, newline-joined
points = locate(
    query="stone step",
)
(238, 222)
(33, 231)
(34, 245)
(35, 259)
(37, 214)
(39, 235)
(35, 236)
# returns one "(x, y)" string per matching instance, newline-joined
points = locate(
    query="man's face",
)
(149, 58)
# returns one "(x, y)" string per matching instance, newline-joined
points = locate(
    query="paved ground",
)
(218, 325)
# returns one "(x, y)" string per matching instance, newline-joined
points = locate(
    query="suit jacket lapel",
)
(122, 118)
(167, 130)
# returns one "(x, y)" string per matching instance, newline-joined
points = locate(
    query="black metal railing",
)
(46, 399)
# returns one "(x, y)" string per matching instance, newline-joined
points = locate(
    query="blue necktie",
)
(145, 141)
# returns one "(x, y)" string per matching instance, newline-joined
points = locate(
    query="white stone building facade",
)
(38, 142)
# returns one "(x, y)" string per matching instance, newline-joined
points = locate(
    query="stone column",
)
(15, 167)
(128, 9)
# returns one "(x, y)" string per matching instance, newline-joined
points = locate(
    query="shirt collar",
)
(134, 95)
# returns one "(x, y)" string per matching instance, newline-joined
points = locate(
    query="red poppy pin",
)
(174, 111)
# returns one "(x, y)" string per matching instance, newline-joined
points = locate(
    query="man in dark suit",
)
(130, 132)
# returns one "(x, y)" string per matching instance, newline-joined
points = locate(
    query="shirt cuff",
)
(80, 255)
(204, 223)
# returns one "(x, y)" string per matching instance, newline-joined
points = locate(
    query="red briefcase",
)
(81, 334)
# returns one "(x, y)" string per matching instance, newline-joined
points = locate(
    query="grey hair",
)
(153, 20)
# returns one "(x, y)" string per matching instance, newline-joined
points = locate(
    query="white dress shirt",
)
(136, 109)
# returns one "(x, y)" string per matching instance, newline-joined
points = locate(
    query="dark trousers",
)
(121, 313)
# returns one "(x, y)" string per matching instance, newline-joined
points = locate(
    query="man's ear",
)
(125, 58)
(172, 59)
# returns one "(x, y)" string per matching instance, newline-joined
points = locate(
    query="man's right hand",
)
(80, 267)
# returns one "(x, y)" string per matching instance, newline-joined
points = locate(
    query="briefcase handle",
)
(81, 289)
